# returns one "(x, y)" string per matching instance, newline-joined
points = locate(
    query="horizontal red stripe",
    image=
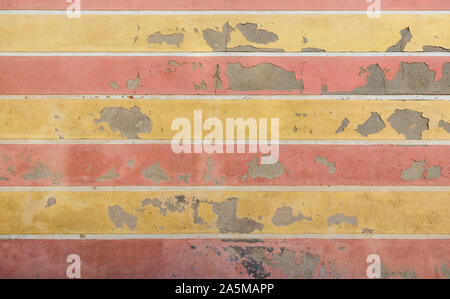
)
(181, 75)
(271, 258)
(228, 5)
(75, 165)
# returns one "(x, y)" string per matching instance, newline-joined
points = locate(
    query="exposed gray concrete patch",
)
(227, 220)
(217, 79)
(250, 48)
(434, 49)
(50, 202)
(411, 79)
(184, 178)
(400, 46)
(113, 84)
(312, 50)
(339, 218)
(345, 122)
(286, 262)
(109, 176)
(178, 205)
(372, 125)
(251, 258)
(415, 172)
(41, 171)
(133, 84)
(264, 76)
(128, 122)
(218, 41)
(119, 217)
(208, 175)
(367, 231)
(255, 35)
(268, 171)
(330, 165)
(130, 163)
(169, 39)
(284, 216)
(409, 123)
(444, 125)
(434, 172)
(445, 270)
(155, 174)
(201, 86)
(196, 218)
(406, 274)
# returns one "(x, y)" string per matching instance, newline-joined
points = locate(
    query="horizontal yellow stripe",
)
(299, 120)
(245, 212)
(130, 32)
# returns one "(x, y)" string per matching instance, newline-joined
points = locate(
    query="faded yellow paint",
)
(35, 119)
(333, 33)
(87, 212)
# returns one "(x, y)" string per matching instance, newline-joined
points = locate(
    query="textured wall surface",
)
(91, 187)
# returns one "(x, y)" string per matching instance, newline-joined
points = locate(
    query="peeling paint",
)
(339, 218)
(409, 123)
(227, 220)
(255, 35)
(155, 174)
(286, 261)
(201, 86)
(444, 125)
(50, 202)
(119, 217)
(109, 176)
(372, 125)
(434, 49)
(40, 171)
(445, 270)
(344, 124)
(133, 84)
(415, 172)
(264, 76)
(169, 39)
(400, 46)
(330, 165)
(268, 171)
(128, 122)
(284, 216)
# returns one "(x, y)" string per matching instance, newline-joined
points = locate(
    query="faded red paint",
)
(195, 258)
(379, 165)
(228, 5)
(92, 75)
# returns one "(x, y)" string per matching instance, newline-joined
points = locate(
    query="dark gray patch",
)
(372, 125)
(41, 171)
(339, 218)
(286, 262)
(195, 206)
(434, 49)
(345, 122)
(129, 123)
(111, 175)
(155, 174)
(268, 171)
(312, 50)
(50, 202)
(119, 217)
(411, 79)
(227, 220)
(252, 258)
(415, 172)
(264, 76)
(444, 125)
(255, 35)
(169, 39)
(284, 216)
(330, 165)
(400, 46)
(409, 123)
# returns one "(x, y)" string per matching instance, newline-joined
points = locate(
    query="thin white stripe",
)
(225, 12)
(227, 188)
(236, 237)
(281, 142)
(231, 97)
(234, 54)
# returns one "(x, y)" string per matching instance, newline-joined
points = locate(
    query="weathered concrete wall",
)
(87, 168)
